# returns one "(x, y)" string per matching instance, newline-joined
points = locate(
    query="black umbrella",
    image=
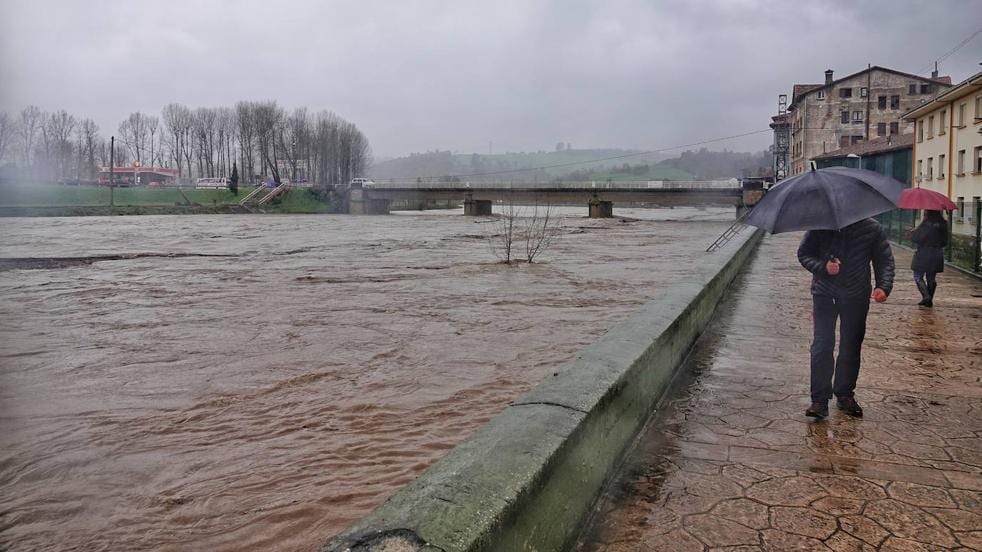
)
(825, 199)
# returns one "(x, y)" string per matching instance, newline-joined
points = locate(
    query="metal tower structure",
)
(782, 138)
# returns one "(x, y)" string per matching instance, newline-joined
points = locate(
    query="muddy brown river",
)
(259, 382)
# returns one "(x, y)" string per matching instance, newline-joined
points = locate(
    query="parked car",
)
(211, 183)
(358, 183)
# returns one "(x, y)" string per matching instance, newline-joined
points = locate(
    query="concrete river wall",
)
(527, 479)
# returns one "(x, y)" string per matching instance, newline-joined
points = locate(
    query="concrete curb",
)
(527, 479)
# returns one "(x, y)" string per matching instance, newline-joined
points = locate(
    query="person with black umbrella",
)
(841, 242)
(839, 261)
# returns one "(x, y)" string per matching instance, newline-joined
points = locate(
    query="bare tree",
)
(246, 127)
(178, 119)
(269, 125)
(57, 130)
(535, 228)
(133, 132)
(7, 128)
(88, 137)
(225, 125)
(205, 136)
(295, 141)
(541, 229)
(502, 239)
(31, 120)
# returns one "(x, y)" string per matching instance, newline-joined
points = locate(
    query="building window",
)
(821, 94)
(863, 92)
(881, 102)
(961, 208)
(961, 115)
(920, 130)
(912, 89)
(843, 141)
(920, 170)
(844, 117)
(894, 102)
(856, 139)
(857, 116)
(845, 92)
(972, 208)
(930, 168)
(941, 123)
(925, 89)
(881, 129)
(930, 127)
(961, 163)
(977, 163)
(895, 128)
(941, 167)
(978, 107)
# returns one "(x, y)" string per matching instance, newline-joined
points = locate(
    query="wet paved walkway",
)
(732, 464)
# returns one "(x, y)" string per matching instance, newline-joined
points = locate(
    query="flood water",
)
(259, 382)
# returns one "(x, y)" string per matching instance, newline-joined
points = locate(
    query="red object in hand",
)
(879, 295)
(832, 267)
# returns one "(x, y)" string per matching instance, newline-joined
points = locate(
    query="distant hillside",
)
(475, 166)
(577, 165)
(706, 164)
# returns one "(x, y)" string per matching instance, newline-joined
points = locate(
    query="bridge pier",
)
(601, 209)
(477, 207)
(360, 204)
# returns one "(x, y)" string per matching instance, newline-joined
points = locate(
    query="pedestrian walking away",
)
(839, 261)
(931, 237)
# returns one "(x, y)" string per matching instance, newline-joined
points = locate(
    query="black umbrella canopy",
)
(825, 199)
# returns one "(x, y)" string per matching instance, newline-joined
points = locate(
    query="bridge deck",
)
(713, 192)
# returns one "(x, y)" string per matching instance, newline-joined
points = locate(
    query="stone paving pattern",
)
(731, 463)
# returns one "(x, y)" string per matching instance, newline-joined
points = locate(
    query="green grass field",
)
(59, 196)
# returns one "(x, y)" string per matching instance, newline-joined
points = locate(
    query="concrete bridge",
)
(478, 198)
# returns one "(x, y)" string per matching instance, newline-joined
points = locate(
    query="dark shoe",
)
(850, 407)
(925, 296)
(818, 410)
(931, 288)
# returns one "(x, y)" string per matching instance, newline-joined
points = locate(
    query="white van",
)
(358, 183)
(211, 183)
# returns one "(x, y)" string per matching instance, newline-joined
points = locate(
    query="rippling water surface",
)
(259, 382)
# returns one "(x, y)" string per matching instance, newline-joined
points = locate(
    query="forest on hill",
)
(572, 165)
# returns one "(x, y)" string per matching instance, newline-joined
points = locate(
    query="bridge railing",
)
(592, 185)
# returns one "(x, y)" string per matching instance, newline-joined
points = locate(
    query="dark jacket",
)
(856, 246)
(931, 237)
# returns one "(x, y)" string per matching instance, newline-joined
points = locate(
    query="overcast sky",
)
(424, 75)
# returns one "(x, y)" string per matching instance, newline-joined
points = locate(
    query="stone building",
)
(948, 148)
(858, 107)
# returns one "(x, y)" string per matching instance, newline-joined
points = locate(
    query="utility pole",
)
(112, 161)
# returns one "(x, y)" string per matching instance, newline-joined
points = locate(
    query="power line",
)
(951, 52)
(613, 158)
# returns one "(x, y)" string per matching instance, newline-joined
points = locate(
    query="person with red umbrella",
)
(931, 237)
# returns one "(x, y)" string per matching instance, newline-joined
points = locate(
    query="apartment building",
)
(859, 107)
(947, 155)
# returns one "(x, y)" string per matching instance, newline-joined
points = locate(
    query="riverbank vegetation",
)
(264, 140)
(61, 200)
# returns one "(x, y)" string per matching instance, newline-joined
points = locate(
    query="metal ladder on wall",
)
(728, 234)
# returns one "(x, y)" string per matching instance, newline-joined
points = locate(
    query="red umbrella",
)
(922, 198)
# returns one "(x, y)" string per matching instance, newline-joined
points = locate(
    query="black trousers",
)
(851, 314)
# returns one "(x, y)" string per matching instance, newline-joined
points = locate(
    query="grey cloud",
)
(417, 76)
